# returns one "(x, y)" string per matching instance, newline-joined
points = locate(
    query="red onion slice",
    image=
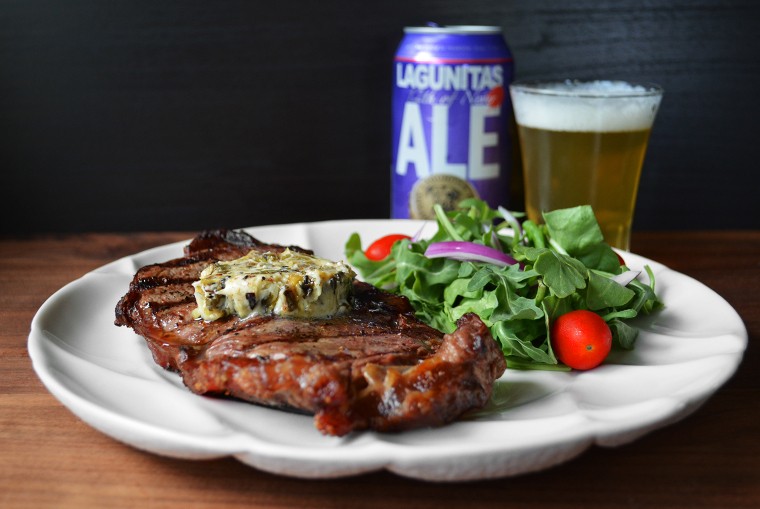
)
(417, 236)
(468, 252)
(511, 220)
(626, 277)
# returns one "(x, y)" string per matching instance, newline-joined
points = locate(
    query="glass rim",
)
(539, 87)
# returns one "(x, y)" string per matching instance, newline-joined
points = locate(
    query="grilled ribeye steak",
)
(375, 367)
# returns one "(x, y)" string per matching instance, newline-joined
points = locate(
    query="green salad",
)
(518, 276)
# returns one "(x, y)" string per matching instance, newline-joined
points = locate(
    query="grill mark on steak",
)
(147, 283)
(376, 367)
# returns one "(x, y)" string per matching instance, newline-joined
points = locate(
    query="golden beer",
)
(584, 143)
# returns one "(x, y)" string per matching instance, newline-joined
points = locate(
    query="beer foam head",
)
(585, 106)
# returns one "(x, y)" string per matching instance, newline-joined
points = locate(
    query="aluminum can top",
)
(453, 44)
(454, 29)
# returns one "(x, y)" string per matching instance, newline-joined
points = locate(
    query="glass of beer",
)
(583, 143)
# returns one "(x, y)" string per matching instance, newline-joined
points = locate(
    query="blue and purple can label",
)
(451, 115)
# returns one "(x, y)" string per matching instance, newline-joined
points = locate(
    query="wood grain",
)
(49, 458)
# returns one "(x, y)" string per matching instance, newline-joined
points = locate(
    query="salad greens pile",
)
(562, 265)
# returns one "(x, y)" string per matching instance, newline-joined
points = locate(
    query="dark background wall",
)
(126, 115)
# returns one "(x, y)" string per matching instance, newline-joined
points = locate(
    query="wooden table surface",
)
(49, 458)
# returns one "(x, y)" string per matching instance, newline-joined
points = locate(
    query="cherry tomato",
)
(581, 339)
(620, 259)
(381, 248)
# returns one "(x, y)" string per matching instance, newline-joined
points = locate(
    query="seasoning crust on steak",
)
(374, 367)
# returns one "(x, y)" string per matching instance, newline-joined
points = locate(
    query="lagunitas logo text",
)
(449, 77)
(440, 101)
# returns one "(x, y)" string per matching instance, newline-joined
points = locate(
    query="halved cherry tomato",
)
(381, 248)
(581, 339)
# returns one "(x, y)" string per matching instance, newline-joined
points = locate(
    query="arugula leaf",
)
(623, 335)
(562, 274)
(380, 273)
(604, 293)
(577, 231)
(534, 234)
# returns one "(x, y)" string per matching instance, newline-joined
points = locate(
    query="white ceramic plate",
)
(105, 375)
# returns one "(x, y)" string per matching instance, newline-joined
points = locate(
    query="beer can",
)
(451, 119)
